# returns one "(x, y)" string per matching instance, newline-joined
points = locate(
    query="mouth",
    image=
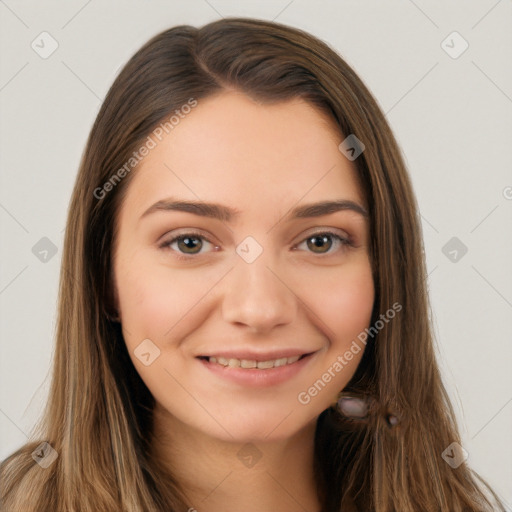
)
(253, 364)
(257, 370)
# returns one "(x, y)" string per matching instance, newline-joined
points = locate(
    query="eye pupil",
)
(188, 243)
(318, 243)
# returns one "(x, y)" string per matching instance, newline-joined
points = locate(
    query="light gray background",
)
(452, 118)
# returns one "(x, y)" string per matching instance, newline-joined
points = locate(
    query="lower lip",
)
(254, 377)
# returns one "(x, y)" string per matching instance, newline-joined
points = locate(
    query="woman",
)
(243, 319)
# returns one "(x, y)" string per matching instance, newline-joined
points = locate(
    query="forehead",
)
(233, 150)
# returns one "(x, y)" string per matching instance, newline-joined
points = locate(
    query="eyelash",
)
(343, 241)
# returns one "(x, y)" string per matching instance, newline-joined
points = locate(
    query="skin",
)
(262, 160)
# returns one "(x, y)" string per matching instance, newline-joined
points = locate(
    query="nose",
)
(258, 297)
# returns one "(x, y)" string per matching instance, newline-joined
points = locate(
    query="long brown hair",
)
(99, 414)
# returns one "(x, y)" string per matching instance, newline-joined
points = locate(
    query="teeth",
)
(246, 363)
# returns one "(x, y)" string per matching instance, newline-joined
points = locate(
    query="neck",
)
(228, 476)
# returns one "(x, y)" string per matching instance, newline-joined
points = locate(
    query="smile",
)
(253, 364)
(264, 372)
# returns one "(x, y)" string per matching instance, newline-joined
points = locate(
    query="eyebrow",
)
(227, 214)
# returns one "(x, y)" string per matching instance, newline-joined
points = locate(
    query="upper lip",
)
(251, 355)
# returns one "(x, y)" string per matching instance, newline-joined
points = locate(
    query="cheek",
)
(148, 301)
(344, 300)
(154, 299)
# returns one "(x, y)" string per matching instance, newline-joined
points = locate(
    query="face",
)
(275, 290)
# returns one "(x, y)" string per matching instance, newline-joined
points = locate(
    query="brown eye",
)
(319, 243)
(326, 242)
(189, 244)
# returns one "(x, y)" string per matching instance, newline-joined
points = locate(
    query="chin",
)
(263, 427)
